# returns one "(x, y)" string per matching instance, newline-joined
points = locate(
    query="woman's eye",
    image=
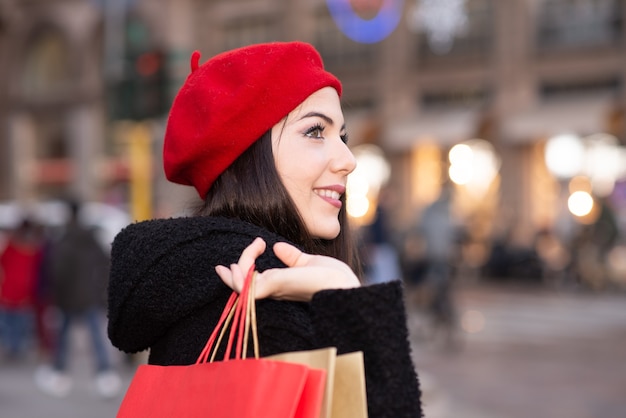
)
(344, 138)
(315, 132)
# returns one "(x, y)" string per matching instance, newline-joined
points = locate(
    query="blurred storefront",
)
(86, 85)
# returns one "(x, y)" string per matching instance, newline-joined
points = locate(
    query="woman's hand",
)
(304, 275)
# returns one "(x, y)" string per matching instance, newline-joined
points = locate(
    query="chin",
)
(323, 227)
(328, 234)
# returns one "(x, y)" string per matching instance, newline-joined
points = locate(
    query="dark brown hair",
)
(251, 190)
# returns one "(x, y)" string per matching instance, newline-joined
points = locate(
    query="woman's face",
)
(313, 160)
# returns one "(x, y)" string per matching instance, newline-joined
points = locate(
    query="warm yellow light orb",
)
(580, 203)
(357, 205)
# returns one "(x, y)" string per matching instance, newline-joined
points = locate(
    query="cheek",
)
(299, 167)
(299, 170)
(293, 177)
(297, 183)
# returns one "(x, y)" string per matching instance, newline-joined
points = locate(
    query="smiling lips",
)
(331, 194)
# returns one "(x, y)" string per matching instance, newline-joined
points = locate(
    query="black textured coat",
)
(164, 295)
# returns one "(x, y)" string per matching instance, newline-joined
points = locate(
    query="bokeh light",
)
(364, 183)
(580, 203)
(473, 164)
(602, 163)
(564, 155)
(357, 205)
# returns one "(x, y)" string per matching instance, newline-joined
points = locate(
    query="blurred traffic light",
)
(142, 92)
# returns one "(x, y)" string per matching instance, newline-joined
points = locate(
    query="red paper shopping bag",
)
(237, 388)
(233, 388)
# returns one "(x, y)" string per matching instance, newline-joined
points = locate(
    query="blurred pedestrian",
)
(78, 268)
(42, 303)
(382, 263)
(439, 231)
(592, 246)
(19, 266)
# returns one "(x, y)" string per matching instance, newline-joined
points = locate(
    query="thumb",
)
(289, 254)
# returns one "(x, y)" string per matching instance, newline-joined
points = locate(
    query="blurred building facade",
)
(512, 73)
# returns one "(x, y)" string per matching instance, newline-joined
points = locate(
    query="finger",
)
(251, 253)
(237, 277)
(262, 287)
(297, 283)
(226, 275)
(289, 254)
(279, 283)
(232, 277)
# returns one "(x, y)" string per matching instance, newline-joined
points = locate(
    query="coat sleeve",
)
(163, 273)
(159, 274)
(372, 319)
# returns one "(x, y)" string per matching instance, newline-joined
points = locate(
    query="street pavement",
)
(20, 398)
(523, 352)
(517, 352)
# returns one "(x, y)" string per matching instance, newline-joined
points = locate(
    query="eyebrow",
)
(322, 116)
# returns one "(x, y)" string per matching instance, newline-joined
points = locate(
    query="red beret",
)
(231, 100)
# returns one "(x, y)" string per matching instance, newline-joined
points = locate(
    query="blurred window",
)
(579, 23)
(562, 90)
(473, 44)
(51, 138)
(468, 98)
(338, 51)
(250, 30)
(360, 105)
(46, 70)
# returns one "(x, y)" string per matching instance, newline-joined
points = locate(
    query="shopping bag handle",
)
(240, 309)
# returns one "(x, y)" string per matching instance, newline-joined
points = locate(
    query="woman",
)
(260, 134)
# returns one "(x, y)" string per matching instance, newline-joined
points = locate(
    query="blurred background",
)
(491, 140)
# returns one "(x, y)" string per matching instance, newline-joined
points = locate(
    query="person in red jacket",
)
(20, 261)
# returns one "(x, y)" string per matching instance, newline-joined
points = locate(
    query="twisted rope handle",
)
(241, 310)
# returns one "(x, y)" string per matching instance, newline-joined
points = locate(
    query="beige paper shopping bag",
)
(345, 395)
(349, 396)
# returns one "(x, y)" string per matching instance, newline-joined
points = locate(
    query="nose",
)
(343, 161)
